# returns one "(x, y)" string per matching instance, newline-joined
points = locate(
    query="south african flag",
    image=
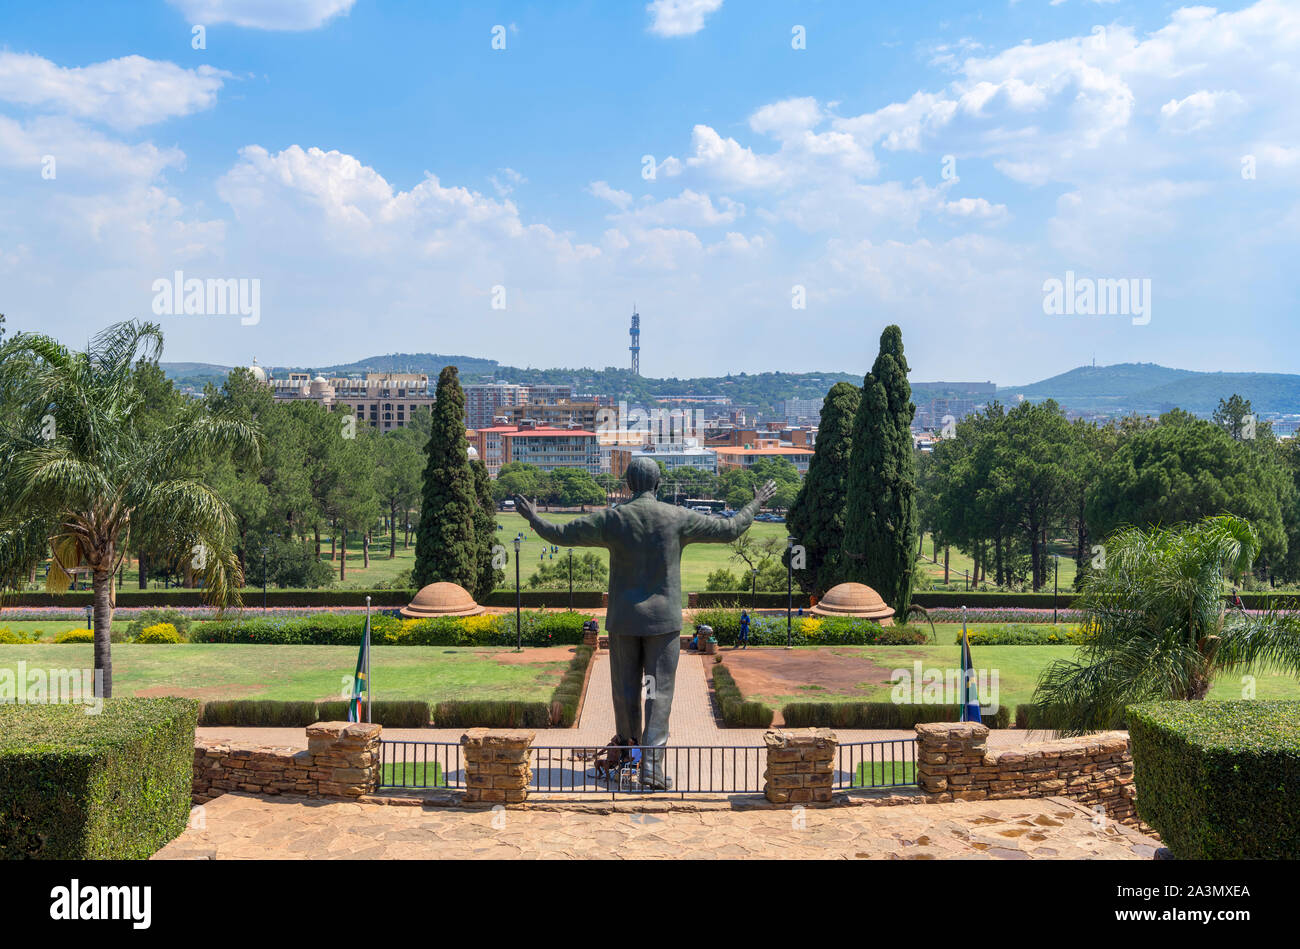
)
(360, 679)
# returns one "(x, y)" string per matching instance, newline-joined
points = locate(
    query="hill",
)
(1148, 388)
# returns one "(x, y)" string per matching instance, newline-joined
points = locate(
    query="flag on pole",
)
(361, 678)
(970, 699)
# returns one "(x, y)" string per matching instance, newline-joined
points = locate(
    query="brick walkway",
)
(237, 826)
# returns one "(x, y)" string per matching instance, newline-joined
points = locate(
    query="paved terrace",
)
(239, 826)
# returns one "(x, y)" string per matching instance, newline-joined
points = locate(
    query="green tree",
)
(485, 529)
(880, 513)
(396, 459)
(1158, 628)
(816, 517)
(1185, 469)
(77, 477)
(446, 542)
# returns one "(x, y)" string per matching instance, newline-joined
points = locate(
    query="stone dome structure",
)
(854, 599)
(441, 599)
(258, 372)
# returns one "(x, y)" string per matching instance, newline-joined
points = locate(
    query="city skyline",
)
(375, 176)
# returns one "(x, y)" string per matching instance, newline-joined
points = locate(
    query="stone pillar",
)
(800, 765)
(497, 766)
(345, 757)
(950, 760)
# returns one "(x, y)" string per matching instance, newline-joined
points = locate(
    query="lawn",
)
(867, 673)
(959, 562)
(209, 671)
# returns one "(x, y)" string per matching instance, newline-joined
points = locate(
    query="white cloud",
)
(264, 14)
(125, 93)
(76, 148)
(1199, 111)
(680, 17)
(786, 118)
(603, 191)
(689, 209)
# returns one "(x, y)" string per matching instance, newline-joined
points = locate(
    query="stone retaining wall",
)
(341, 760)
(953, 763)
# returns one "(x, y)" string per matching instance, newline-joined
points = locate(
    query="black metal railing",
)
(875, 764)
(634, 769)
(430, 765)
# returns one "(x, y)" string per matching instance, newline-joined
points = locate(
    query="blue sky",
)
(382, 170)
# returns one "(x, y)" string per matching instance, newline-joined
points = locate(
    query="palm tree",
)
(79, 483)
(1158, 628)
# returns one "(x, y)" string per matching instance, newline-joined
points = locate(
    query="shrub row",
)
(736, 712)
(1219, 780)
(538, 628)
(1018, 635)
(808, 631)
(113, 786)
(880, 715)
(266, 713)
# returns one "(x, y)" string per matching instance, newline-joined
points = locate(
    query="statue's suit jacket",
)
(645, 538)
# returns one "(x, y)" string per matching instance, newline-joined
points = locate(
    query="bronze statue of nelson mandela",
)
(645, 538)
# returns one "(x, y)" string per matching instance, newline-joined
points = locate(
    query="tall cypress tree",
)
(485, 530)
(816, 518)
(880, 513)
(446, 543)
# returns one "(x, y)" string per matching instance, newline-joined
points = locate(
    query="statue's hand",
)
(764, 493)
(526, 507)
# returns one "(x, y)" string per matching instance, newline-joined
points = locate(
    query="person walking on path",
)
(742, 642)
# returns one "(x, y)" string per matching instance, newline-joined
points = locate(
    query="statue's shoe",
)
(654, 781)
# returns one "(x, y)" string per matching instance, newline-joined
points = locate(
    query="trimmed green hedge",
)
(1017, 634)
(736, 712)
(879, 715)
(266, 713)
(1219, 780)
(112, 786)
(807, 630)
(539, 629)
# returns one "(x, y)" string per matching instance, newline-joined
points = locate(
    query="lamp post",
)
(1056, 586)
(753, 590)
(789, 590)
(519, 628)
(570, 579)
(264, 577)
(89, 614)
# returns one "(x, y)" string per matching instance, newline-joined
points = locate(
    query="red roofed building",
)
(547, 448)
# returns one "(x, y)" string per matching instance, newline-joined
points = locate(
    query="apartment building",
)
(384, 400)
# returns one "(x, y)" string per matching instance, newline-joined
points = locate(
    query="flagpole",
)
(368, 685)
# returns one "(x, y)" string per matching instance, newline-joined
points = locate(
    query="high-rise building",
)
(483, 403)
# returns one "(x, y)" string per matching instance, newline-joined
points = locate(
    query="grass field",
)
(959, 562)
(884, 774)
(873, 670)
(209, 671)
(413, 774)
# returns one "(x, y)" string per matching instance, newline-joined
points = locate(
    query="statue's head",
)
(642, 474)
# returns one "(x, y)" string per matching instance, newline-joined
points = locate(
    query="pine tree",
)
(880, 512)
(485, 530)
(446, 543)
(816, 518)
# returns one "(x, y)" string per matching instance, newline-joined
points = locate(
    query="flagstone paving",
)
(239, 826)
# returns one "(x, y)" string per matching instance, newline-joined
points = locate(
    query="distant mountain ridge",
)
(1145, 388)
(1148, 388)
